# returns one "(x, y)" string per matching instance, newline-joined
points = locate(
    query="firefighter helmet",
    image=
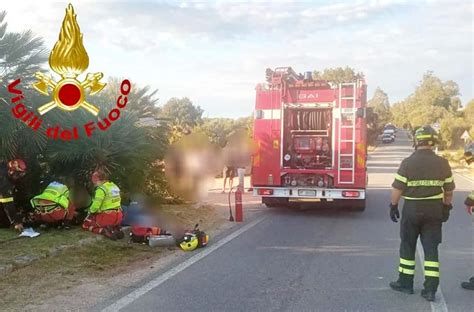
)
(469, 153)
(16, 168)
(189, 242)
(426, 136)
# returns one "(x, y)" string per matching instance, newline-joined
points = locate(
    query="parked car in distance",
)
(390, 132)
(390, 127)
(388, 138)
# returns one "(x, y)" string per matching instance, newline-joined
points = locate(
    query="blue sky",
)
(215, 52)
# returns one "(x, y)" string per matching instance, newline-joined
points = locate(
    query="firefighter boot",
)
(468, 285)
(118, 232)
(66, 225)
(404, 284)
(429, 295)
(108, 232)
(402, 287)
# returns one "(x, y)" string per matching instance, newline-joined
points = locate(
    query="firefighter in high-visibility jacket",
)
(105, 212)
(425, 181)
(469, 202)
(53, 205)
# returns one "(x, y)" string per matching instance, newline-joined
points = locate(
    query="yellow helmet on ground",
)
(189, 242)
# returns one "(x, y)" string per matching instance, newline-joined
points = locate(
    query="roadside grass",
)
(456, 159)
(6, 234)
(52, 275)
(72, 264)
(15, 248)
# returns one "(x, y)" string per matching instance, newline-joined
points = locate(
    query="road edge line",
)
(463, 176)
(139, 292)
(436, 306)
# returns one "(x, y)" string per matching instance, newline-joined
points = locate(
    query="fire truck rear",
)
(310, 138)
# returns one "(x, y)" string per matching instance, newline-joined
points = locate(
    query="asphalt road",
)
(314, 260)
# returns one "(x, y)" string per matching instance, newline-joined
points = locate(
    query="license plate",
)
(307, 192)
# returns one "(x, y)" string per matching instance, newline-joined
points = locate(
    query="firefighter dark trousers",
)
(8, 213)
(423, 219)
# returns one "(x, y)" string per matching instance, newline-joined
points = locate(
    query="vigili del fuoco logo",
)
(68, 59)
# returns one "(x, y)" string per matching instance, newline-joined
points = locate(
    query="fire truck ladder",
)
(349, 112)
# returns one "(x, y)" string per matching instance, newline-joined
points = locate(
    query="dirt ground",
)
(79, 278)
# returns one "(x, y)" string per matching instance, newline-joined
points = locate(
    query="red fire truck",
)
(310, 138)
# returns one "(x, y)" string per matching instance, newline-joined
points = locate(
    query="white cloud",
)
(215, 52)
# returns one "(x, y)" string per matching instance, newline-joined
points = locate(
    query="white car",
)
(388, 138)
(390, 132)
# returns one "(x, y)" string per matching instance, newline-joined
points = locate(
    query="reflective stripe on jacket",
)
(424, 176)
(55, 192)
(106, 197)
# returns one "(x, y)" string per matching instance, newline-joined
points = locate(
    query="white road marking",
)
(463, 176)
(124, 301)
(440, 304)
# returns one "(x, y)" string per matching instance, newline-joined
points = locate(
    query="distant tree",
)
(245, 123)
(218, 130)
(381, 105)
(399, 112)
(434, 101)
(268, 75)
(468, 112)
(182, 115)
(431, 102)
(381, 108)
(452, 128)
(338, 74)
(434, 92)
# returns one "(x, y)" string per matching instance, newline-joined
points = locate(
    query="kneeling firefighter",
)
(105, 212)
(425, 181)
(54, 205)
(469, 202)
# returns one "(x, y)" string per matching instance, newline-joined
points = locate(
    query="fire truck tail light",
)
(265, 192)
(350, 194)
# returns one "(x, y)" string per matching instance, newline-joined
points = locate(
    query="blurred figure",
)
(236, 154)
(105, 213)
(54, 206)
(189, 166)
(228, 173)
(80, 197)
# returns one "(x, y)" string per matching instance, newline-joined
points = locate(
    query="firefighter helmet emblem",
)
(69, 59)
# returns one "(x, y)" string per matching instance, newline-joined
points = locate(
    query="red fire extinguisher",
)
(239, 215)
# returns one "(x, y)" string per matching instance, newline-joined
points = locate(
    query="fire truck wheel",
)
(358, 204)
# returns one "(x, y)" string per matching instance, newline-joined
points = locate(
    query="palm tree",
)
(125, 150)
(21, 55)
(128, 152)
